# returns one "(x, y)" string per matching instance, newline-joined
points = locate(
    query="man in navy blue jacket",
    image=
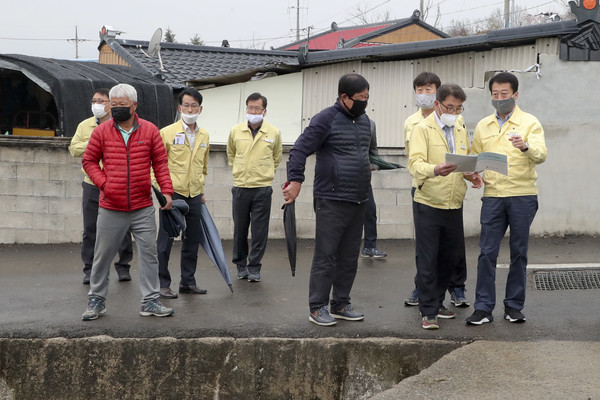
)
(340, 135)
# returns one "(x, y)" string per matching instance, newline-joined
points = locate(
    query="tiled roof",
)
(206, 64)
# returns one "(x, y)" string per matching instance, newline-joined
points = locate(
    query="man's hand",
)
(169, 204)
(444, 169)
(203, 199)
(291, 191)
(475, 179)
(517, 141)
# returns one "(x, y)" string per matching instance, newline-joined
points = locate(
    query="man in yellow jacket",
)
(507, 200)
(254, 153)
(91, 194)
(426, 85)
(438, 198)
(187, 149)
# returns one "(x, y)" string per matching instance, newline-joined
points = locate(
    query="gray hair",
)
(123, 90)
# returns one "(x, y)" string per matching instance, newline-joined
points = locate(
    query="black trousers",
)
(251, 209)
(89, 210)
(338, 234)
(371, 221)
(459, 275)
(190, 242)
(440, 247)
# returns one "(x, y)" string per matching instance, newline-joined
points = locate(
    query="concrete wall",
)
(210, 368)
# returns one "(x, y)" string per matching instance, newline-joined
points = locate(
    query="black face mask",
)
(120, 114)
(358, 107)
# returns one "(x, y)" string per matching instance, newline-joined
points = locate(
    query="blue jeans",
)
(497, 214)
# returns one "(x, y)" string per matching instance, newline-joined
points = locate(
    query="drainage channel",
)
(210, 368)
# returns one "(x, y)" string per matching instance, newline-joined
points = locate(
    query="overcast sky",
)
(42, 28)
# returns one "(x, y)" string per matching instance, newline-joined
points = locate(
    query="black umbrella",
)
(173, 220)
(211, 242)
(289, 227)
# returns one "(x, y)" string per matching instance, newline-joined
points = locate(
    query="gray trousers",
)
(111, 227)
(89, 209)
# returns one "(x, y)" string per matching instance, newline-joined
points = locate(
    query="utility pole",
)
(297, 20)
(421, 8)
(507, 13)
(76, 40)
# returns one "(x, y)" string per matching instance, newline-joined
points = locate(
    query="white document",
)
(482, 161)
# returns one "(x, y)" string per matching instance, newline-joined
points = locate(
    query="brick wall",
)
(40, 193)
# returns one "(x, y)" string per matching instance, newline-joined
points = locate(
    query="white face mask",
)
(425, 101)
(448, 119)
(189, 118)
(98, 110)
(254, 119)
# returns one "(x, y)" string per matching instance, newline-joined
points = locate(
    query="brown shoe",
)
(167, 293)
(192, 290)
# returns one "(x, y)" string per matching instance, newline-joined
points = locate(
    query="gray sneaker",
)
(347, 313)
(322, 317)
(156, 308)
(242, 272)
(413, 299)
(254, 277)
(372, 252)
(95, 308)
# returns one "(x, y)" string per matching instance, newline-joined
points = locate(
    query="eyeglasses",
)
(453, 110)
(257, 109)
(193, 106)
(364, 98)
(100, 101)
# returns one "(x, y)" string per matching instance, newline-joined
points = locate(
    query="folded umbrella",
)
(173, 220)
(211, 242)
(289, 228)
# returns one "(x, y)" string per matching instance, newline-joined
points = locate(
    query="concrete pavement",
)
(43, 298)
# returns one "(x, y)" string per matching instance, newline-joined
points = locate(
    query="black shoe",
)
(124, 276)
(480, 317)
(167, 293)
(513, 315)
(192, 290)
(86, 279)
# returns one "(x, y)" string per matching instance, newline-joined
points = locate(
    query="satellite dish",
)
(154, 46)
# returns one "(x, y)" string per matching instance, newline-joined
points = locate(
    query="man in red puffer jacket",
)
(128, 147)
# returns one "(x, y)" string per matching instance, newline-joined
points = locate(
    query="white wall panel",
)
(225, 106)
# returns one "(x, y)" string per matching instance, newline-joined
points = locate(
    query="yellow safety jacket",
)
(186, 165)
(521, 179)
(428, 148)
(80, 140)
(254, 160)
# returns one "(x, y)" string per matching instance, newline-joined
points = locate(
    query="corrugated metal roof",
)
(328, 40)
(428, 48)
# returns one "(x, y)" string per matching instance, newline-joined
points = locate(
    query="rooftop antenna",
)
(154, 48)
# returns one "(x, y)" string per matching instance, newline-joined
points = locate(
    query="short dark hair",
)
(190, 92)
(505, 77)
(351, 84)
(450, 89)
(257, 96)
(427, 78)
(103, 92)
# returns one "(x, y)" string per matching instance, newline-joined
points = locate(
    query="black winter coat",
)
(341, 143)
